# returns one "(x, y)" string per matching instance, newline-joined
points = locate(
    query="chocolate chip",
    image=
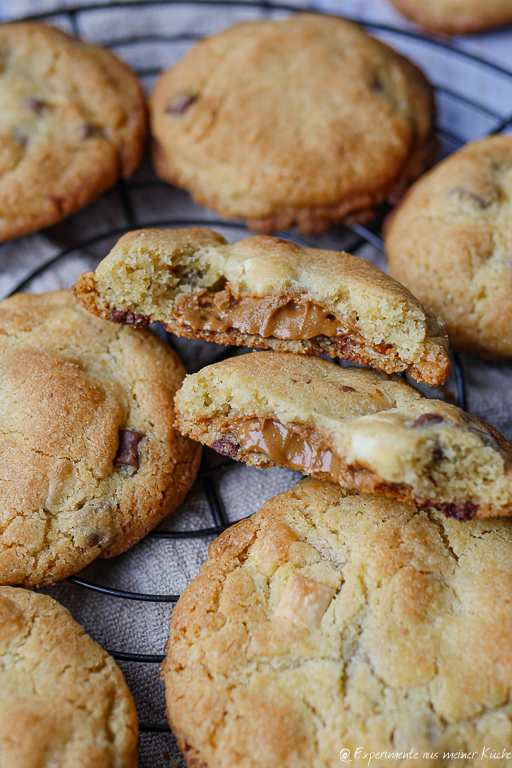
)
(463, 511)
(86, 131)
(376, 85)
(129, 318)
(468, 194)
(226, 447)
(128, 452)
(345, 388)
(427, 418)
(180, 102)
(35, 105)
(94, 540)
(438, 454)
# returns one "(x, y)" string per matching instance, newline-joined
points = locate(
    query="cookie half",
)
(331, 622)
(457, 17)
(266, 292)
(305, 120)
(90, 461)
(450, 242)
(357, 427)
(72, 121)
(63, 699)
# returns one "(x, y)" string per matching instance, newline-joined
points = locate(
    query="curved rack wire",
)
(362, 234)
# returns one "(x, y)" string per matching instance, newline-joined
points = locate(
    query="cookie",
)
(450, 243)
(269, 293)
(63, 699)
(332, 625)
(457, 17)
(72, 121)
(90, 461)
(305, 121)
(356, 427)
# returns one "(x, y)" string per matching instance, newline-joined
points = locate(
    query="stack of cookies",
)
(365, 611)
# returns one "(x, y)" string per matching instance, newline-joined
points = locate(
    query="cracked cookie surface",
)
(89, 459)
(360, 428)
(331, 621)
(266, 292)
(63, 699)
(72, 121)
(306, 120)
(450, 243)
(457, 17)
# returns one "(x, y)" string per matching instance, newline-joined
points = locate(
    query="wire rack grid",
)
(137, 32)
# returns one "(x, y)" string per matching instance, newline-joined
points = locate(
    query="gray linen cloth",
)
(149, 37)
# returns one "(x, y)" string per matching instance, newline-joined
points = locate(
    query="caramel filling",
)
(285, 446)
(279, 316)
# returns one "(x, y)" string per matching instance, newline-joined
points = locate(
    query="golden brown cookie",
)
(63, 699)
(306, 120)
(450, 242)
(457, 17)
(357, 427)
(266, 292)
(329, 625)
(72, 121)
(90, 460)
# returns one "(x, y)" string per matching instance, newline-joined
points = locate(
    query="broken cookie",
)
(357, 427)
(270, 293)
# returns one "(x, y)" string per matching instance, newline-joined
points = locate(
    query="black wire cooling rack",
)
(461, 118)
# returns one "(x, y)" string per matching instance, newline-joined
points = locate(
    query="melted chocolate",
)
(275, 316)
(283, 445)
(286, 447)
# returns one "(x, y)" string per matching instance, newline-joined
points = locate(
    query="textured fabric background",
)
(140, 33)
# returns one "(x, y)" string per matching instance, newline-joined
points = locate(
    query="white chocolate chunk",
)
(304, 600)
(270, 551)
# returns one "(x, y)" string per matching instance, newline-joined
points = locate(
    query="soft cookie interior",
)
(351, 426)
(268, 293)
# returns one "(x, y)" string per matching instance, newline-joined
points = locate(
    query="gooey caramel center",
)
(279, 316)
(285, 446)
